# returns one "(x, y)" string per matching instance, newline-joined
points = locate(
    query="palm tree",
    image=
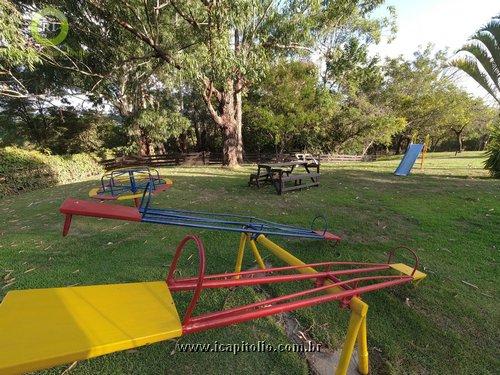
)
(481, 57)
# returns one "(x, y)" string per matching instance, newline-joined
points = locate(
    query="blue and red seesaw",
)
(43, 328)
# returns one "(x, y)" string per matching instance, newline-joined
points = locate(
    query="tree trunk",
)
(403, 144)
(238, 86)
(239, 126)
(399, 142)
(139, 138)
(484, 142)
(458, 134)
(226, 117)
(460, 142)
(230, 148)
(230, 129)
(197, 134)
(160, 149)
(367, 147)
(144, 145)
(182, 143)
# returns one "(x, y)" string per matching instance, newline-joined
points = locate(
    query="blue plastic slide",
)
(409, 159)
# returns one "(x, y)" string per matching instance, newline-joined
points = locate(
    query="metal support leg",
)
(67, 224)
(355, 323)
(363, 348)
(241, 250)
(257, 256)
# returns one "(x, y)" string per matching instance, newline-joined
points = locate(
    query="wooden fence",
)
(207, 158)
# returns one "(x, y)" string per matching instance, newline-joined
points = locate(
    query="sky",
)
(445, 23)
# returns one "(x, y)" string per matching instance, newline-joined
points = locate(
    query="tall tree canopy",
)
(174, 75)
(285, 110)
(16, 52)
(423, 91)
(225, 46)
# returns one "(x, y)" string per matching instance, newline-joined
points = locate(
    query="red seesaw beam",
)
(78, 207)
(351, 288)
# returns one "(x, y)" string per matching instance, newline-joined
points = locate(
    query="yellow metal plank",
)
(93, 192)
(407, 270)
(129, 196)
(42, 328)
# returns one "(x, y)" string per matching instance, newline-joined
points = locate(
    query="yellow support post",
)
(363, 348)
(353, 331)
(359, 309)
(241, 250)
(256, 254)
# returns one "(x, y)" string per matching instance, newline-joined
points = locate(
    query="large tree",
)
(424, 92)
(225, 46)
(356, 80)
(464, 116)
(285, 110)
(290, 109)
(99, 62)
(417, 90)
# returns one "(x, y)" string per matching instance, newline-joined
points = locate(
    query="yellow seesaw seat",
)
(42, 328)
(403, 269)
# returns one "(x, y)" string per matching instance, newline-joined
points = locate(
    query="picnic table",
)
(280, 174)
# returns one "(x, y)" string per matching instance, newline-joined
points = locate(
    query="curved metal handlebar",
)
(201, 272)
(412, 252)
(324, 221)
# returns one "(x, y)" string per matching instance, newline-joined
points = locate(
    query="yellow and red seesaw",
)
(42, 328)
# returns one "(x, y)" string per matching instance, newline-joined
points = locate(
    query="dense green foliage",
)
(15, 53)
(424, 93)
(60, 130)
(23, 170)
(289, 110)
(134, 50)
(284, 111)
(228, 77)
(371, 105)
(493, 161)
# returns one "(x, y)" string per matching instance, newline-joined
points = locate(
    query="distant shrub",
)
(24, 170)
(493, 153)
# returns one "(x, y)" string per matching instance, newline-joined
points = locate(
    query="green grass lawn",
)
(449, 213)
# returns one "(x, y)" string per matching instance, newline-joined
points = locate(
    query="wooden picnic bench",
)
(281, 174)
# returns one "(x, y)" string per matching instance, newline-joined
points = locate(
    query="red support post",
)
(67, 224)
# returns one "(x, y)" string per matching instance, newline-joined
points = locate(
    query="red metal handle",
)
(201, 272)
(415, 256)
